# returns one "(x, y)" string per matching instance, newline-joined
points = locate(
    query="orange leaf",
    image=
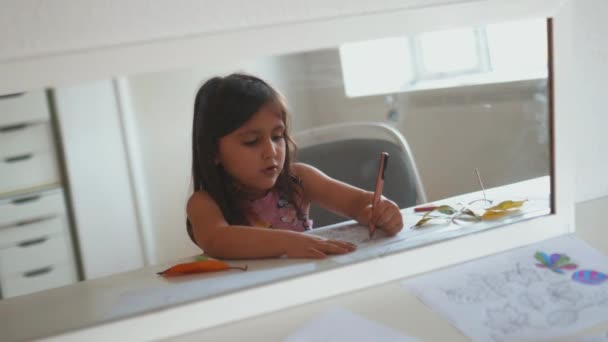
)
(207, 265)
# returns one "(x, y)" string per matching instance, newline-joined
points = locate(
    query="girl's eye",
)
(250, 142)
(277, 137)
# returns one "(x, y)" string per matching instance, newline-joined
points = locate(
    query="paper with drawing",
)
(509, 297)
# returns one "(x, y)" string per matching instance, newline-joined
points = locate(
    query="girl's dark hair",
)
(222, 105)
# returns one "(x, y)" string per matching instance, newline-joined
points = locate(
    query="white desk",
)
(392, 304)
(116, 297)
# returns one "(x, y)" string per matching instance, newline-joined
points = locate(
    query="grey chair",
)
(350, 153)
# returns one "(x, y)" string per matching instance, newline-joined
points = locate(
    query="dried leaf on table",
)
(501, 209)
(203, 266)
(422, 221)
(494, 214)
(507, 205)
(445, 209)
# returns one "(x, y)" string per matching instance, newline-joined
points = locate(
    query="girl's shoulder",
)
(198, 199)
(302, 171)
(306, 173)
(308, 177)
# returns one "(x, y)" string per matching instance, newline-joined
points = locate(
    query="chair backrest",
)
(350, 153)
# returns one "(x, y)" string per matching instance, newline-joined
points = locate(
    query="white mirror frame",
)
(230, 46)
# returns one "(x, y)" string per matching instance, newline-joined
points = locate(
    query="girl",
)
(245, 181)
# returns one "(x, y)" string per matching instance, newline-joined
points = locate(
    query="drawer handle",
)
(38, 272)
(35, 220)
(26, 199)
(12, 128)
(18, 158)
(32, 242)
(10, 96)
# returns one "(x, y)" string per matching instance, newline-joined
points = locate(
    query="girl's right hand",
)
(315, 247)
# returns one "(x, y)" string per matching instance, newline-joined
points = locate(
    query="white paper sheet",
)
(359, 235)
(381, 244)
(507, 297)
(353, 233)
(343, 325)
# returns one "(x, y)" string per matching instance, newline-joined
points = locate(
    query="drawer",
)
(26, 138)
(23, 108)
(28, 171)
(27, 207)
(34, 254)
(33, 230)
(43, 278)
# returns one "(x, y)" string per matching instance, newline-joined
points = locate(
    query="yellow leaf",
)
(494, 214)
(446, 209)
(506, 205)
(423, 221)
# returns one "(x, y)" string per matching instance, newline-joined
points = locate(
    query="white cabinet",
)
(97, 165)
(27, 171)
(36, 250)
(23, 108)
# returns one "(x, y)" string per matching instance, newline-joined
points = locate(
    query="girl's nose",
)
(269, 149)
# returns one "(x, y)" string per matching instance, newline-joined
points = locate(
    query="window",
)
(490, 54)
(390, 69)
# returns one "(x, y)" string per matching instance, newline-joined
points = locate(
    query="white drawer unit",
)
(36, 254)
(34, 245)
(43, 278)
(27, 107)
(36, 251)
(30, 206)
(28, 170)
(25, 138)
(27, 232)
(33, 254)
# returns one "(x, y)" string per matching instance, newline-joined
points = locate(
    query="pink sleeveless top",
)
(274, 211)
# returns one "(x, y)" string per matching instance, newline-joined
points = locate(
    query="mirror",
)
(448, 115)
(484, 106)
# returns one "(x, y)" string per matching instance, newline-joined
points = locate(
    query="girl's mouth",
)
(271, 170)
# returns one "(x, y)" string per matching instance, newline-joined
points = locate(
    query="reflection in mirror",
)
(109, 161)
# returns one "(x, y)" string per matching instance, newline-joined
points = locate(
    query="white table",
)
(392, 304)
(120, 296)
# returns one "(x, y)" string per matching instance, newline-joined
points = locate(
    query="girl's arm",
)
(219, 239)
(347, 200)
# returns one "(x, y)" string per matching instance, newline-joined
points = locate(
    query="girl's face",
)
(254, 153)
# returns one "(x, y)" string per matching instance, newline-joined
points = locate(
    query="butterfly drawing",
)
(555, 262)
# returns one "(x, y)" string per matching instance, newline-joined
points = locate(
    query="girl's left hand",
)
(386, 216)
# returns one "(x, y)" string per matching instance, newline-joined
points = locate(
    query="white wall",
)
(32, 27)
(162, 110)
(41, 40)
(590, 48)
(276, 71)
